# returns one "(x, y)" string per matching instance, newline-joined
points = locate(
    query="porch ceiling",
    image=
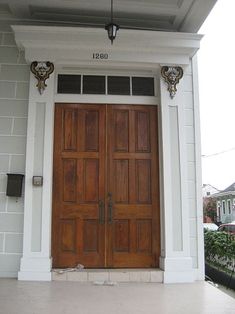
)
(165, 15)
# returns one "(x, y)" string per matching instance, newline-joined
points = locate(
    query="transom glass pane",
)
(69, 84)
(93, 84)
(143, 86)
(118, 85)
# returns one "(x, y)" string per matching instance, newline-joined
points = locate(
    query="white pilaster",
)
(175, 257)
(36, 260)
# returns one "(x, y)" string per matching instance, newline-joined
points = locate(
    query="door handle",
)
(101, 212)
(110, 208)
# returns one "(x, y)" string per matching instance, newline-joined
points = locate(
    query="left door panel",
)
(78, 235)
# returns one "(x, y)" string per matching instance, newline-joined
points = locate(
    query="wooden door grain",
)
(132, 174)
(78, 186)
(105, 186)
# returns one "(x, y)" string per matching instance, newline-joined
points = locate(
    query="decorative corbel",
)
(41, 71)
(172, 76)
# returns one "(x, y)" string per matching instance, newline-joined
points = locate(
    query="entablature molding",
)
(70, 45)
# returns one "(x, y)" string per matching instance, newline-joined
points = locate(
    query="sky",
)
(216, 62)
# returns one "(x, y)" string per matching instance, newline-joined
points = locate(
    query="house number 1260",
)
(100, 56)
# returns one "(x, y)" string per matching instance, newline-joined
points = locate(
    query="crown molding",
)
(66, 45)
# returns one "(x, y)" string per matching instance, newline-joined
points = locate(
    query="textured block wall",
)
(14, 86)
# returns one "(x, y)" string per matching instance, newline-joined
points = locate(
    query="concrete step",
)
(108, 276)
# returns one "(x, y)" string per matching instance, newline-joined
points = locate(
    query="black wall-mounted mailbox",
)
(14, 184)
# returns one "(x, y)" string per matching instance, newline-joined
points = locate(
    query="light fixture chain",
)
(111, 27)
(111, 11)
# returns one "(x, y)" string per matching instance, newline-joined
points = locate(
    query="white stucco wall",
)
(14, 85)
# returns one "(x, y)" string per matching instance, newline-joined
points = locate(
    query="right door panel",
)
(133, 235)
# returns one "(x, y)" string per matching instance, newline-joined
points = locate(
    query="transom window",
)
(105, 85)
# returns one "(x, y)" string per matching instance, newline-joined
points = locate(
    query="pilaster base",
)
(177, 269)
(35, 269)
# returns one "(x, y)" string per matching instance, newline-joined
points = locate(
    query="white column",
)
(36, 260)
(175, 257)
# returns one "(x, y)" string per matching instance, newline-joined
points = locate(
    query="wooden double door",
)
(105, 186)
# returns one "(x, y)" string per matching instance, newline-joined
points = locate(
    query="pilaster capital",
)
(41, 71)
(172, 76)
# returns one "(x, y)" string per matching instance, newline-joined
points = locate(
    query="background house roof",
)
(165, 15)
(208, 190)
(230, 188)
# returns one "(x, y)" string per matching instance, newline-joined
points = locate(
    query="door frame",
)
(171, 49)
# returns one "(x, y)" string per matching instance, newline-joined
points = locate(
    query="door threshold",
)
(109, 275)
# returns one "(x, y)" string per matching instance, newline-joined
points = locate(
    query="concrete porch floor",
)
(17, 297)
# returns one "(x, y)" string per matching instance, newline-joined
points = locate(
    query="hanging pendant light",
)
(112, 28)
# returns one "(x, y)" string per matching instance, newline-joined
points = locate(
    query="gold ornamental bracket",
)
(41, 71)
(172, 76)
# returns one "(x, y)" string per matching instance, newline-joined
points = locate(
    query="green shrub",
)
(220, 249)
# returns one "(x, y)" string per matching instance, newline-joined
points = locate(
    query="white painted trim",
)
(177, 270)
(48, 170)
(165, 196)
(177, 265)
(178, 103)
(106, 99)
(33, 263)
(72, 48)
(132, 72)
(198, 166)
(161, 183)
(183, 172)
(178, 277)
(36, 264)
(62, 45)
(198, 274)
(29, 171)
